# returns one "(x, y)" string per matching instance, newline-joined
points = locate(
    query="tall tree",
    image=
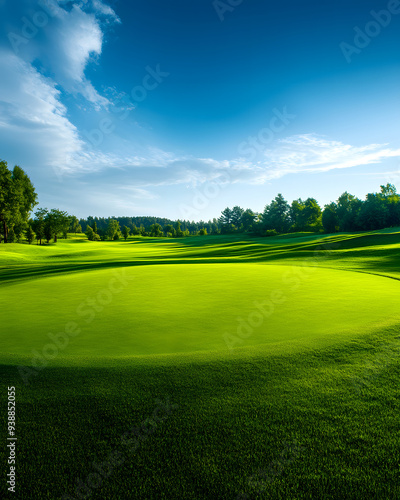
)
(178, 230)
(311, 213)
(113, 229)
(330, 220)
(247, 219)
(236, 216)
(276, 215)
(347, 210)
(374, 213)
(17, 198)
(56, 222)
(39, 224)
(226, 216)
(169, 230)
(125, 232)
(74, 225)
(29, 235)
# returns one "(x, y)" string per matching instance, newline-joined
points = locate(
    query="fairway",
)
(145, 310)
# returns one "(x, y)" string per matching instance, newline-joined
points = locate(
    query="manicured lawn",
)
(274, 363)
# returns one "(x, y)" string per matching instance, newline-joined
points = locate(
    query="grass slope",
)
(305, 406)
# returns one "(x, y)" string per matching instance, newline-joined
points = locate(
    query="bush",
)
(271, 232)
(89, 233)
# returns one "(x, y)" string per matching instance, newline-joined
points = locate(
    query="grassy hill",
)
(205, 367)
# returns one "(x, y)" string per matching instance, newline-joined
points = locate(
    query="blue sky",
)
(179, 109)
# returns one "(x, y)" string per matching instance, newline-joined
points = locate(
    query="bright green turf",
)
(194, 307)
(322, 369)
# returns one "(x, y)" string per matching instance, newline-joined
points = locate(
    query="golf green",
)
(183, 308)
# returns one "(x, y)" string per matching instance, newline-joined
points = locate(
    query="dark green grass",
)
(320, 422)
(233, 419)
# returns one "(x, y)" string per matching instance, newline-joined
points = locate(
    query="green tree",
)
(392, 202)
(74, 225)
(125, 232)
(296, 214)
(39, 224)
(27, 190)
(276, 215)
(56, 222)
(11, 238)
(347, 210)
(89, 233)
(247, 219)
(311, 213)
(178, 230)
(17, 198)
(374, 213)
(169, 230)
(135, 230)
(19, 229)
(29, 235)
(226, 216)
(156, 230)
(113, 229)
(236, 216)
(330, 220)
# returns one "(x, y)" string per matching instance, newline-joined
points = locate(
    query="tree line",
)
(348, 213)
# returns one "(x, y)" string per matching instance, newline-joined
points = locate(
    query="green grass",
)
(309, 393)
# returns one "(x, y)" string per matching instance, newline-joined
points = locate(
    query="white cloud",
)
(314, 153)
(76, 42)
(33, 119)
(105, 10)
(70, 40)
(297, 154)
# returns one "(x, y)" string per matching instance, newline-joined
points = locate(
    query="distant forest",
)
(348, 213)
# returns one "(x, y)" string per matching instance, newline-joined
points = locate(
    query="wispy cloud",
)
(32, 117)
(313, 153)
(71, 40)
(296, 154)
